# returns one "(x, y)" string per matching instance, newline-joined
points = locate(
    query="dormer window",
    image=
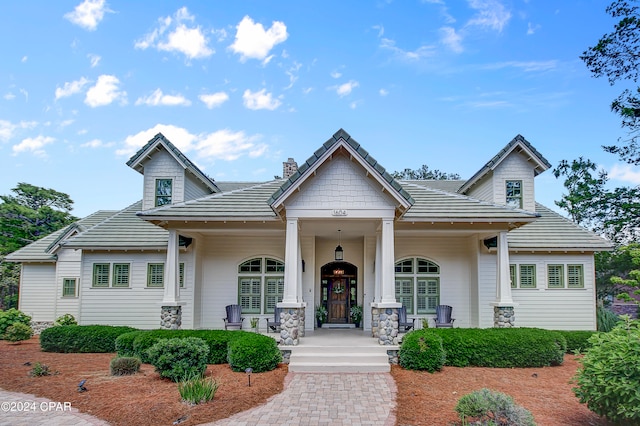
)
(163, 192)
(514, 193)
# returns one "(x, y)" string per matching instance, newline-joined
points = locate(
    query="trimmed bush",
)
(608, 379)
(577, 340)
(255, 351)
(124, 365)
(422, 351)
(81, 338)
(11, 317)
(124, 344)
(179, 358)
(486, 407)
(18, 332)
(66, 319)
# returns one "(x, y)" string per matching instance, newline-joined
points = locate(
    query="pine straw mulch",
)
(146, 399)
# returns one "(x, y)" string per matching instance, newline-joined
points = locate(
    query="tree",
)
(616, 57)
(28, 215)
(423, 173)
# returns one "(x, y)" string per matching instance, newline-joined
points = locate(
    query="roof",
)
(331, 145)
(137, 160)
(554, 232)
(43, 250)
(519, 142)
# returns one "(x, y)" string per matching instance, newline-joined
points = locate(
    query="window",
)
(181, 275)
(163, 192)
(555, 276)
(575, 276)
(120, 275)
(69, 287)
(514, 193)
(527, 276)
(155, 275)
(100, 275)
(417, 285)
(512, 276)
(260, 278)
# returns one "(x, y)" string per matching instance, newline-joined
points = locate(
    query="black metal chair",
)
(234, 317)
(443, 316)
(404, 324)
(275, 324)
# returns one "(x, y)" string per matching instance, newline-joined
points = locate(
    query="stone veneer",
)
(384, 325)
(38, 326)
(291, 326)
(504, 317)
(171, 317)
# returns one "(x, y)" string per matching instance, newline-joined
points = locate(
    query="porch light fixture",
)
(339, 252)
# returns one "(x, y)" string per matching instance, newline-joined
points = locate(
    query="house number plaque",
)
(338, 212)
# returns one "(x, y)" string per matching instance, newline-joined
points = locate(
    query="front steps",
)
(339, 351)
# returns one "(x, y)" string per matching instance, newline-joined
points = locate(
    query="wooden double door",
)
(339, 291)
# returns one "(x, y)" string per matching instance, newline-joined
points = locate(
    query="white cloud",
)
(173, 35)
(35, 145)
(531, 29)
(529, 66)
(88, 14)
(8, 129)
(71, 88)
(346, 88)
(383, 92)
(451, 39)
(491, 14)
(227, 145)
(9, 96)
(335, 74)
(260, 100)
(157, 98)
(253, 42)
(105, 91)
(24, 59)
(213, 100)
(625, 173)
(94, 59)
(95, 143)
(178, 136)
(380, 30)
(407, 55)
(292, 74)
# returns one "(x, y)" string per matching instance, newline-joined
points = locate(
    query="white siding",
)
(194, 189)
(483, 190)
(68, 266)
(162, 166)
(38, 291)
(515, 167)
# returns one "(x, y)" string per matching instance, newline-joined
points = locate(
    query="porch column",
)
(377, 293)
(171, 309)
(387, 267)
(292, 324)
(503, 307)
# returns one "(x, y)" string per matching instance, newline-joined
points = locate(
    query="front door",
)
(337, 301)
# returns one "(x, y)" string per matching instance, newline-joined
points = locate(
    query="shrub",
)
(608, 379)
(198, 390)
(577, 340)
(606, 319)
(66, 319)
(18, 332)
(179, 358)
(422, 351)
(81, 338)
(11, 317)
(39, 370)
(124, 344)
(124, 365)
(486, 407)
(255, 351)
(501, 347)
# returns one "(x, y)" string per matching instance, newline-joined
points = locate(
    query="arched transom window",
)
(418, 285)
(260, 285)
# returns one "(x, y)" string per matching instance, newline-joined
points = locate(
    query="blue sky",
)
(241, 86)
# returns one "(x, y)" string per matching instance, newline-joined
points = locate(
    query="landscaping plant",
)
(255, 351)
(10, 317)
(422, 351)
(487, 407)
(18, 332)
(198, 390)
(124, 365)
(66, 319)
(39, 370)
(609, 379)
(178, 358)
(81, 338)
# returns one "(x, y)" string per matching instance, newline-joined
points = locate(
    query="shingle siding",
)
(162, 166)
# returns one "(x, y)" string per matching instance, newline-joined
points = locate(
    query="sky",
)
(242, 86)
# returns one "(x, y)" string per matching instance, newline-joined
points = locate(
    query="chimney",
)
(289, 167)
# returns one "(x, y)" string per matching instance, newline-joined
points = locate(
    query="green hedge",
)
(137, 343)
(577, 340)
(81, 338)
(422, 351)
(499, 347)
(254, 351)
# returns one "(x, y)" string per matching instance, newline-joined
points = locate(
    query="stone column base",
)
(291, 326)
(384, 325)
(171, 317)
(504, 317)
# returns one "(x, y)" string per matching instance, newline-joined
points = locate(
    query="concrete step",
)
(339, 359)
(313, 367)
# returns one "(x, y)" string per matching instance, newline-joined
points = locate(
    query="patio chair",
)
(275, 324)
(404, 324)
(443, 316)
(234, 317)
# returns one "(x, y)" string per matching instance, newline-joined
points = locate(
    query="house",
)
(338, 230)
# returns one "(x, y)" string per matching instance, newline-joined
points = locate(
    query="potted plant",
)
(254, 324)
(356, 315)
(321, 315)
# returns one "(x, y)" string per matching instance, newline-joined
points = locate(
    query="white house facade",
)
(192, 245)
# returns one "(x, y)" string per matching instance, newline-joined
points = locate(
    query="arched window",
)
(418, 285)
(260, 285)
